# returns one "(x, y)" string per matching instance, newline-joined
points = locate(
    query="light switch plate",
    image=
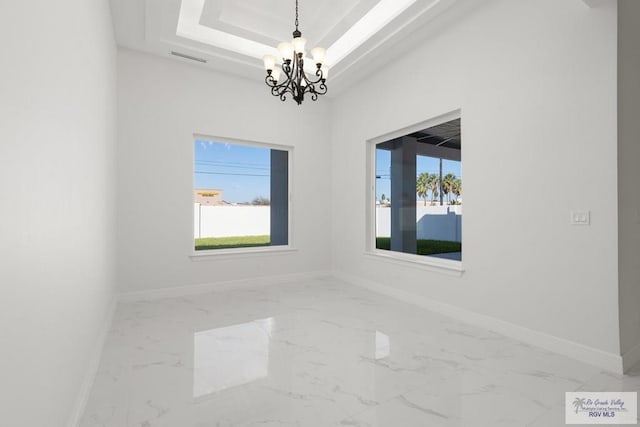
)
(580, 217)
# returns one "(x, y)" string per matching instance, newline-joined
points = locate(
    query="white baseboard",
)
(631, 358)
(608, 361)
(93, 366)
(204, 288)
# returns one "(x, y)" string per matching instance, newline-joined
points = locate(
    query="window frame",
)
(205, 254)
(404, 259)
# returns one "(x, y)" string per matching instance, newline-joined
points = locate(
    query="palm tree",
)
(434, 183)
(457, 188)
(422, 186)
(447, 185)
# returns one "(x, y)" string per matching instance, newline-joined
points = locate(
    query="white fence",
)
(230, 221)
(433, 222)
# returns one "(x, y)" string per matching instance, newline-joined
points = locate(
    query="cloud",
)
(204, 145)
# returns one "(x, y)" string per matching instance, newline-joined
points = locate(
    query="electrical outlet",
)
(580, 217)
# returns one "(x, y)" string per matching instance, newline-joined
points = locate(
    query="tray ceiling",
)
(233, 35)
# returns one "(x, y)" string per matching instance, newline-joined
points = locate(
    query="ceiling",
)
(447, 135)
(442, 141)
(271, 21)
(233, 35)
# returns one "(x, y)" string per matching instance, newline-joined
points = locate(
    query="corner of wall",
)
(628, 146)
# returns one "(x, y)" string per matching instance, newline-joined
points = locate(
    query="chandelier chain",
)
(297, 15)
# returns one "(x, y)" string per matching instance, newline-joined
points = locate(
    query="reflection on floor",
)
(230, 356)
(323, 353)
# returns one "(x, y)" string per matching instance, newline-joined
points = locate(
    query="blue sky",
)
(423, 164)
(241, 172)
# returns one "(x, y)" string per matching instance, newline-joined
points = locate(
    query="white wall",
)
(162, 103)
(230, 221)
(57, 143)
(432, 222)
(629, 175)
(536, 82)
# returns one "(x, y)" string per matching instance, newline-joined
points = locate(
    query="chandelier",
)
(295, 80)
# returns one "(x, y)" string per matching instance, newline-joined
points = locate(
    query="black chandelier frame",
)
(296, 82)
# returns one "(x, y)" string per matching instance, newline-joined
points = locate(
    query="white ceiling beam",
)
(596, 3)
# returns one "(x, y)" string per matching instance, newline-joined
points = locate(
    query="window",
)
(241, 195)
(418, 192)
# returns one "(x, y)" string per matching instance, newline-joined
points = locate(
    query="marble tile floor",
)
(323, 353)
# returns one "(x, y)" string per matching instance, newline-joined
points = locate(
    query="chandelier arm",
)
(315, 92)
(282, 90)
(270, 81)
(321, 79)
(305, 78)
(282, 94)
(286, 66)
(274, 83)
(275, 91)
(318, 87)
(314, 81)
(278, 90)
(322, 89)
(285, 91)
(320, 76)
(308, 87)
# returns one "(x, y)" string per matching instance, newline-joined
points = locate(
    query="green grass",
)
(425, 247)
(207, 243)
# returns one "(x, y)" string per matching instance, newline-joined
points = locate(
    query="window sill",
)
(211, 254)
(419, 261)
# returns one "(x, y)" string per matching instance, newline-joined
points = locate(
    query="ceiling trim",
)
(189, 27)
(371, 23)
(376, 19)
(382, 39)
